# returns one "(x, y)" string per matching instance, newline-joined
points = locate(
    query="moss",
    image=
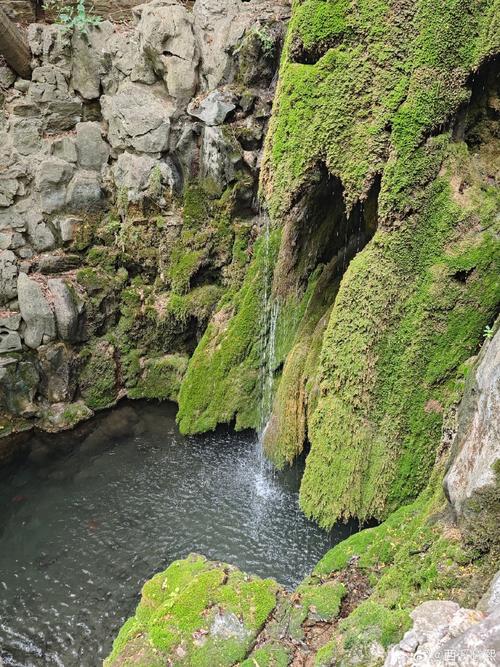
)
(183, 266)
(222, 381)
(271, 654)
(160, 378)
(401, 328)
(413, 556)
(178, 612)
(98, 379)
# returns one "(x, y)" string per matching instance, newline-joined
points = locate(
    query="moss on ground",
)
(196, 613)
(415, 555)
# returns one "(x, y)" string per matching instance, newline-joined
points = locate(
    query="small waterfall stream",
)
(265, 486)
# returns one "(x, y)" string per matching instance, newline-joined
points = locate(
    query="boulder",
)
(85, 191)
(67, 227)
(10, 341)
(40, 233)
(213, 109)
(8, 276)
(92, 150)
(10, 319)
(18, 386)
(64, 148)
(134, 173)
(166, 37)
(56, 262)
(491, 598)
(35, 311)
(220, 156)
(7, 77)
(137, 119)
(52, 178)
(68, 309)
(58, 372)
(87, 60)
(26, 134)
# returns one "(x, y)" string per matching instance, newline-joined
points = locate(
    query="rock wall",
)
(127, 200)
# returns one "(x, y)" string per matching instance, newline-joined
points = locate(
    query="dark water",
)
(94, 513)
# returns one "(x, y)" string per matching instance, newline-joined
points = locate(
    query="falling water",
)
(270, 310)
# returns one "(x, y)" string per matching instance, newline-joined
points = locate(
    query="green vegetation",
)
(98, 379)
(196, 613)
(160, 378)
(222, 381)
(412, 557)
(401, 328)
(73, 17)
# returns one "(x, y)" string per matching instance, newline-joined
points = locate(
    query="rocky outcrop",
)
(471, 482)
(443, 631)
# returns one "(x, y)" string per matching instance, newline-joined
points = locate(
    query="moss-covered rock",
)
(98, 379)
(160, 377)
(222, 381)
(197, 612)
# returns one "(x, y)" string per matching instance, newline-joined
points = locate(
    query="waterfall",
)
(265, 485)
(269, 319)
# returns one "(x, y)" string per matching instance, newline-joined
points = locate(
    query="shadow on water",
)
(89, 515)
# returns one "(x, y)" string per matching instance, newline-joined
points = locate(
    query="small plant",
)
(265, 40)
(155, 185)
(73, 17)
(488, 332)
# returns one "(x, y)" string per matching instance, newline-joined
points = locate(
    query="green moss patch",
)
(196, 613)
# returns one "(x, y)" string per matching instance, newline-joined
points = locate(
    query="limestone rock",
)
(52, 178)
(134, 173)
(491, 599)
(166, 37)
(10, 320)
(18, 385)
(64, 148)
(10, 341)
(35, 311)
(92, 150)
(213, 109)
(84, 191)
(8, 276)
(88, 52)
(58, 369)
(7, 77)
(64, 416)
(67, 227)
(40, 233)
(56, 262)
(220, 156)
(26, 134)
(477, 443)
(68, 308)
(137, 119)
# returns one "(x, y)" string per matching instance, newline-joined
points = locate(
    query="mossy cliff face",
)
(380, 175)
(392, 91)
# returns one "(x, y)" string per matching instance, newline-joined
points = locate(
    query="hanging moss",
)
(222, 381)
